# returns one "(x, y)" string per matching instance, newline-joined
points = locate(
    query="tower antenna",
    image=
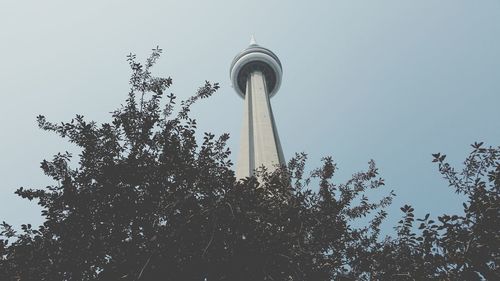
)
(252, 40)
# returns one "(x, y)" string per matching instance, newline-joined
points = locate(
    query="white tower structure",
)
(256, 76)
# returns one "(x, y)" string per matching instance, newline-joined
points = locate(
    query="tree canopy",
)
(146, 200)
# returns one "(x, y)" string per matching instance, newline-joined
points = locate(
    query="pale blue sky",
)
(392, 81)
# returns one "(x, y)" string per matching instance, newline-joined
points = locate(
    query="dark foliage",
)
(147, 201)
(455, 247)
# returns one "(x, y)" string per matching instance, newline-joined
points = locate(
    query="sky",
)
(389, 80)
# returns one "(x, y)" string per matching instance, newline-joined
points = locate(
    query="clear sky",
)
(392, 81)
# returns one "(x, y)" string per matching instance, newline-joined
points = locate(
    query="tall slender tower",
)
(256, 76)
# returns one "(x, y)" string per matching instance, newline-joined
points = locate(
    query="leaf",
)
(477, 145)
(436, 157)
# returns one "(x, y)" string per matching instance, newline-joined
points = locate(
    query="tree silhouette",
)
(455, 247)
(147, 201)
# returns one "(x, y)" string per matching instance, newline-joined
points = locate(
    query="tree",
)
(455, 247)
(147, 201)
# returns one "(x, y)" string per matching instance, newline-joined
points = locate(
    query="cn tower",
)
(256, 77)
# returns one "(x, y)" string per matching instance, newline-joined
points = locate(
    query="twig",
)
(211, 239)
(144, 267)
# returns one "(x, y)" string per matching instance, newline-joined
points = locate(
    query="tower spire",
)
(252, 41)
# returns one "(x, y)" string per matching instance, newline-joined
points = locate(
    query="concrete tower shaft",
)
(256, 75)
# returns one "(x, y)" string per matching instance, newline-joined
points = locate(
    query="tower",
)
(256, 76)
